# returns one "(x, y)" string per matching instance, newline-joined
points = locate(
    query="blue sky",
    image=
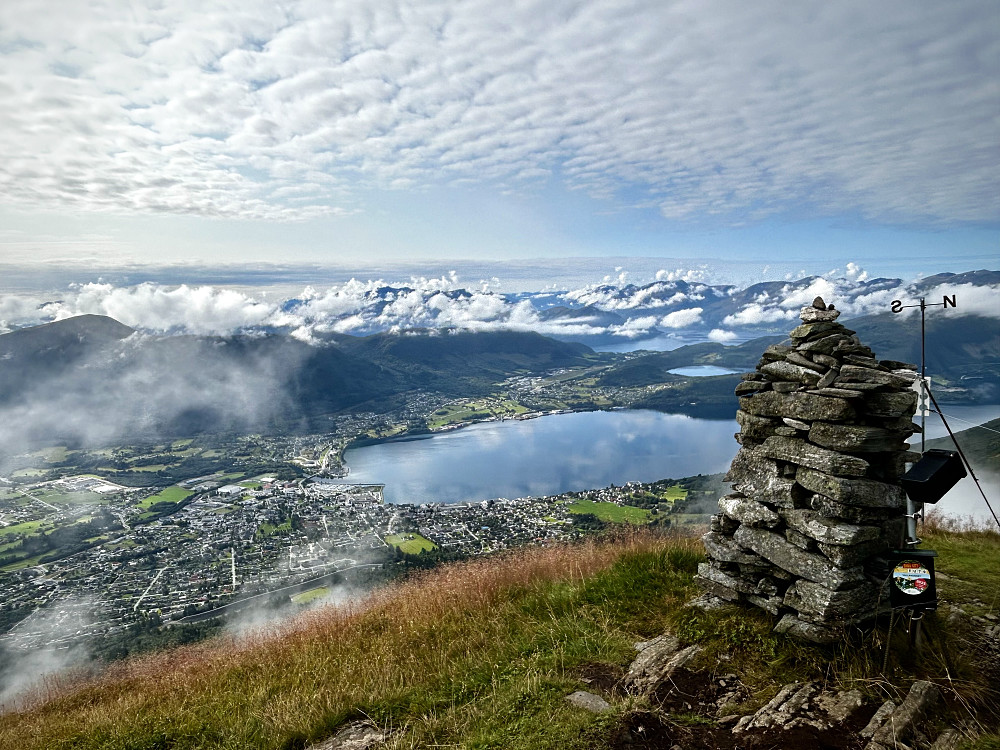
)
(367, 132)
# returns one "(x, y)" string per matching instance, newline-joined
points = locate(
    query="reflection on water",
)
(545, 456)
(701, 371)
(588, 450)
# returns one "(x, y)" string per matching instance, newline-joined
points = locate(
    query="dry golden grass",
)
(432, 635)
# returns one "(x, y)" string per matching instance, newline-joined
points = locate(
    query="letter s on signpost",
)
(897, 305)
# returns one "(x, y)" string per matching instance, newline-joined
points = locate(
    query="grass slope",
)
(481, 654)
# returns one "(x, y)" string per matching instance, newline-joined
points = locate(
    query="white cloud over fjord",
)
(620, 310)
(710, 109)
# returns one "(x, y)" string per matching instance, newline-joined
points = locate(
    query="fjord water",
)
(545, 456)
(588, 450)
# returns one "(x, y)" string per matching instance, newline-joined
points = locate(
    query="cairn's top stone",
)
(818, 312)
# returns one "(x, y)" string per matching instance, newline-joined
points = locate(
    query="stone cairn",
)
(816, 494)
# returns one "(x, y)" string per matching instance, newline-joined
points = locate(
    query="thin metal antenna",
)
(915, 510)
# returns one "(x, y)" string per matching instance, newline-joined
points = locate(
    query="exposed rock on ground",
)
(360, 735)
(701, 710)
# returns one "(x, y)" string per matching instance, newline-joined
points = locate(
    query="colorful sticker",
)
(911, 577)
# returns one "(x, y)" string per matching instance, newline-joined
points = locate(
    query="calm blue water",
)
(545, 456)
(701, 371)
(565, 452)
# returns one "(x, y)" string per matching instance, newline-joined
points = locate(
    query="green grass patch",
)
(610, 512)
(172, 494)
(673, 493)
(25, 527)
(27, 562)
(52, 455)
(410, 544)
(311, 595)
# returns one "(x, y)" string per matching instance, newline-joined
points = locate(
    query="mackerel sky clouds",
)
(340, 131)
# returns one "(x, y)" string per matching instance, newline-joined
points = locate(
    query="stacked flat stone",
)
(816, 494)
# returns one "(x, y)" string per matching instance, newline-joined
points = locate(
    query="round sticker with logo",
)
(911, 577)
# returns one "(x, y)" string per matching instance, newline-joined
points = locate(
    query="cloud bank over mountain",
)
(614, 310)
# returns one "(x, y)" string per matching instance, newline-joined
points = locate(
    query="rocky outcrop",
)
(816, 496)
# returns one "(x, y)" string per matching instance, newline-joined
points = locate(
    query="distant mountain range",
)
(93, 377)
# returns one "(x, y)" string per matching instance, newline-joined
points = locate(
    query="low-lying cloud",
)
(614, 309)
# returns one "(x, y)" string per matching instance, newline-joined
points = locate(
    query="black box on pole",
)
(930, 478)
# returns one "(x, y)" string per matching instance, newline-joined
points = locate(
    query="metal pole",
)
(912, 508)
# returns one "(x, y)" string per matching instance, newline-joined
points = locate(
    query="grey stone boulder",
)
(838, 392)
(709, 572)
(818, 601)
(826, 360)
(859, 374)
(808, 331)
(855, 438)
(784, 370)
(722, 548)
(658, 659)
(898, 727)
(589, 702)
(812, 315)
(803, 361)
(852, 491)
(824, 345)
(805, 406)
(775, 352)
(757, 476)
(754, 426)
(856, 554)
(360, 735)
(748, 511)
(849, 513)
(808, 631)
(751, 386)
(785, 555)
(891, 404)
(801, 453)
(827, 530)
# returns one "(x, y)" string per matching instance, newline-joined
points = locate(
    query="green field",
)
(474, 410)
(173, 494)
(21, 528)
(410, 544)
(611, 513)
(672, 493)
(311, 595)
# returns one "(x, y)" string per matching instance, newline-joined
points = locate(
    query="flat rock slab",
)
(360, 735)
(784, 370)
(803, 704)
(748, 511)
(829, 531)
(805, 406)
(811, 598)
(808, 631)
(891, 404)
(856, 438)
(657, 660)
(722, 548)
(899, 725)
(589, 702)
(801, 453)
(779, 551)
(852, 491)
